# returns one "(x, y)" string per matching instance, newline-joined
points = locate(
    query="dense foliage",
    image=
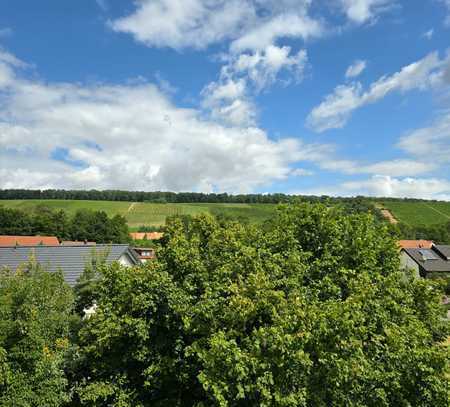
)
(84, 225)
(308, 310)
(35, 315)
(312, 311)
(439, 233)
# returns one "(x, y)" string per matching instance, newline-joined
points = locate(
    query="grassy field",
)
(150, 214)
(420, 213)
(155, 214)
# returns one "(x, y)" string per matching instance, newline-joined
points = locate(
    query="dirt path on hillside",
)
(437, 211)
(387, 214)
(130, 208)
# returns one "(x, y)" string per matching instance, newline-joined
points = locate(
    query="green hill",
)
(413, 213)
(420, 213)
(150, 214)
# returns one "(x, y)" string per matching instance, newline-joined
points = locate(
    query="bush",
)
(35, 320)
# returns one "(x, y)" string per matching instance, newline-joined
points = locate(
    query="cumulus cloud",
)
(360, 11)
(432, 142)
(387, 186)
(337, 107)
(395, 168)
(251, 24)
(355, 69)
(281, 26)
(130, 137)
(230, 98)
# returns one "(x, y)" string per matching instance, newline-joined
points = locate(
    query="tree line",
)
(83, 225)
(173, 197)
(440, 233)
(308, 310)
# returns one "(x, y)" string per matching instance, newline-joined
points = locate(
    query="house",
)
(70, 259)
(6, 240)
(427, 262)
(146, 235)
(415, 244)
(145, 253)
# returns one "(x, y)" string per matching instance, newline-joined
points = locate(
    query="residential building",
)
(427, 262)
(72, 260)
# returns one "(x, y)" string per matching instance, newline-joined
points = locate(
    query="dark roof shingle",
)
(70, 259)
(439, 264)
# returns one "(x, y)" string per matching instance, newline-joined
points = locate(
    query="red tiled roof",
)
(28, 240)
(415, 244)
(147, 235)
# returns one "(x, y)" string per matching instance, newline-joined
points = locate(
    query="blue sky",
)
(339, 97)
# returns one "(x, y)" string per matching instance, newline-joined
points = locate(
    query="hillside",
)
(412, 213)
(420, 213)
(150, 214)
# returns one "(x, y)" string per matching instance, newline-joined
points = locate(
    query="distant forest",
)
(178, 197)
(84, 225)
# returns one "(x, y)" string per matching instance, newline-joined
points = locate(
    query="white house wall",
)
(407, 263)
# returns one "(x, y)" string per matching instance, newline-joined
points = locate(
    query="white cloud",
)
(229, 99)
(431, 143)
(355, 69)
(360, 11)
(393, 168)
(250, 24)
(262, 67)
(337, 107)
(428, 34)
(399, 168)
(144, 140)
(386, 186)
(281, 26)
(185, 23)
(228, 102)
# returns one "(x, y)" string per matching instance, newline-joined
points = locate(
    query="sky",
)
(324, 97)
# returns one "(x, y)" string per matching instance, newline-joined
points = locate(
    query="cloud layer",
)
(129, 136)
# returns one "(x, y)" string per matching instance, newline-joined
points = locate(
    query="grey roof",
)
(70, 259)
(440, 264)
(443, 250)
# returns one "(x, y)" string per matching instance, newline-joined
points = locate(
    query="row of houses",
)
(53, 240)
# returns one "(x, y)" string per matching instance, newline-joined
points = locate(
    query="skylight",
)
(428, 254)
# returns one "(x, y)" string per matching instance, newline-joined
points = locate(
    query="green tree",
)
(35, 317)
(312, 311)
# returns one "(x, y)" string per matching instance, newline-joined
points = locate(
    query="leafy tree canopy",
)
(35, 317)
(309, 311)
